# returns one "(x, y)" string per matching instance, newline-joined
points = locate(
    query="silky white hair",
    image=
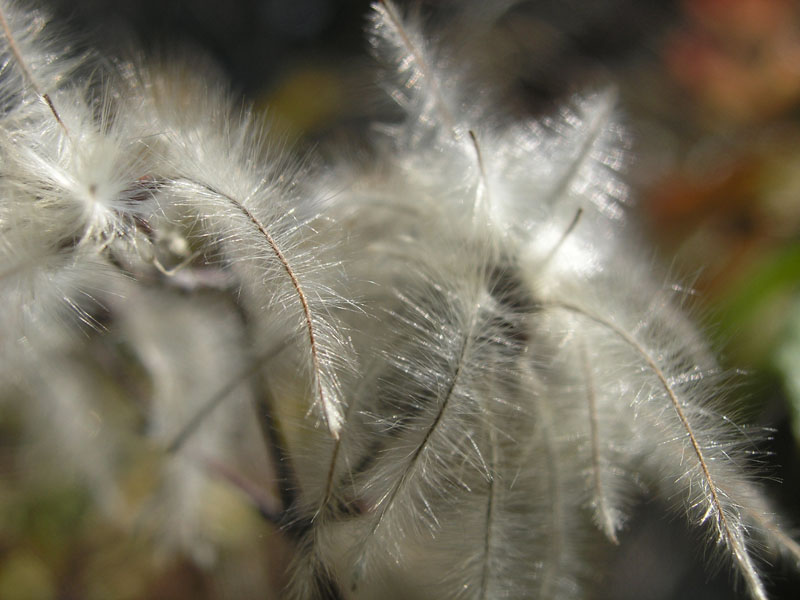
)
(469, 366)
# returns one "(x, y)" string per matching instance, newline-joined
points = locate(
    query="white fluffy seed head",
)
(466, 367)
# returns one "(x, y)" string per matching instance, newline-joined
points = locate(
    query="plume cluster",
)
(464, 368)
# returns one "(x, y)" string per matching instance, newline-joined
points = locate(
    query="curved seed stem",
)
(603, 511)
(331, 416)
(732, 540)
(12, 44)
(390, 11)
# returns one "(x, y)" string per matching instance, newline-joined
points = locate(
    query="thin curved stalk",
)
(331, 416)
(604, 516)
(389, 11)
(731, 539)
(12, 44)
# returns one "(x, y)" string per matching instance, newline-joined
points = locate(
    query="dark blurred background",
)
(710, 90)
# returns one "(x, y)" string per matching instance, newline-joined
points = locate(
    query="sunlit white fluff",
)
(82, 184)
(492, 369)
(608, 358)
(70, 174)
(217, 167)
(49, 61)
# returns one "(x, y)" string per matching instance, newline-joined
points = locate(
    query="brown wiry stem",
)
(419, 59)
(387, 500)
(12, 44)
(733, 542)
(332, 420)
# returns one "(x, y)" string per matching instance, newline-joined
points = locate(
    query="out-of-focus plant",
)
(732, 207)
